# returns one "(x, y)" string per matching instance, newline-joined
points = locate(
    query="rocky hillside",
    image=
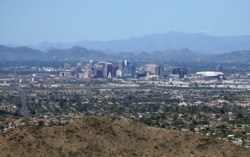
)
(98, 136)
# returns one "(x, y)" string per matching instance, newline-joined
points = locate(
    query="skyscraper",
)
(98, 71)
(129, 71)
(154, 69)
(180, 71)
(107, 69)
(159, 70)
(121, 65)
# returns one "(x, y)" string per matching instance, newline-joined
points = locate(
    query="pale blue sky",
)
(25, 22)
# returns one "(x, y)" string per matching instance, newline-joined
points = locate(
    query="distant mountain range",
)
(25, 53)
(77, 53)
(198, 42)
(74, 53)
(168, 55)
(235, 56)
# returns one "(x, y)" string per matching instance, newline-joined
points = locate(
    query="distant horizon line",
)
(9, 44)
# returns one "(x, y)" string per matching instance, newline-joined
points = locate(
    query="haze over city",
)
(32, 22)
(125, 78)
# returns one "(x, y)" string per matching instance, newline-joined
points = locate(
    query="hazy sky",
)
(26, 22)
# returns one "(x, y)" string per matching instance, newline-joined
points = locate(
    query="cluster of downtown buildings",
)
(164, 74)
(124, 69)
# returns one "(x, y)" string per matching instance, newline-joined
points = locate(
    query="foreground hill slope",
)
(97, 136)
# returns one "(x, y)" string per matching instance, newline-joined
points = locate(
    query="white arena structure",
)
(210, 74)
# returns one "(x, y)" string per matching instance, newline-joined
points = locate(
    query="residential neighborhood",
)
(208, 103)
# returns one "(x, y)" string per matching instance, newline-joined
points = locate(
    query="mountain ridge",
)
(197, 42)
(77, 53)
(26, 53)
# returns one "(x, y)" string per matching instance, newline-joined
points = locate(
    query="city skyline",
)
(32, 22)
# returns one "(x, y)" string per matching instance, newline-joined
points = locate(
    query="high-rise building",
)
(126, 63)
(154, 69)
(107, 69)
(114, 69)
(89, 73)
(159, 70)
(99, 71)
(128, 71)
(121, 65)
(141, 72)
(118, 73)
(180, 71)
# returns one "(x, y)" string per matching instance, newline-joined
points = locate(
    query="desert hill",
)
(98, 136)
